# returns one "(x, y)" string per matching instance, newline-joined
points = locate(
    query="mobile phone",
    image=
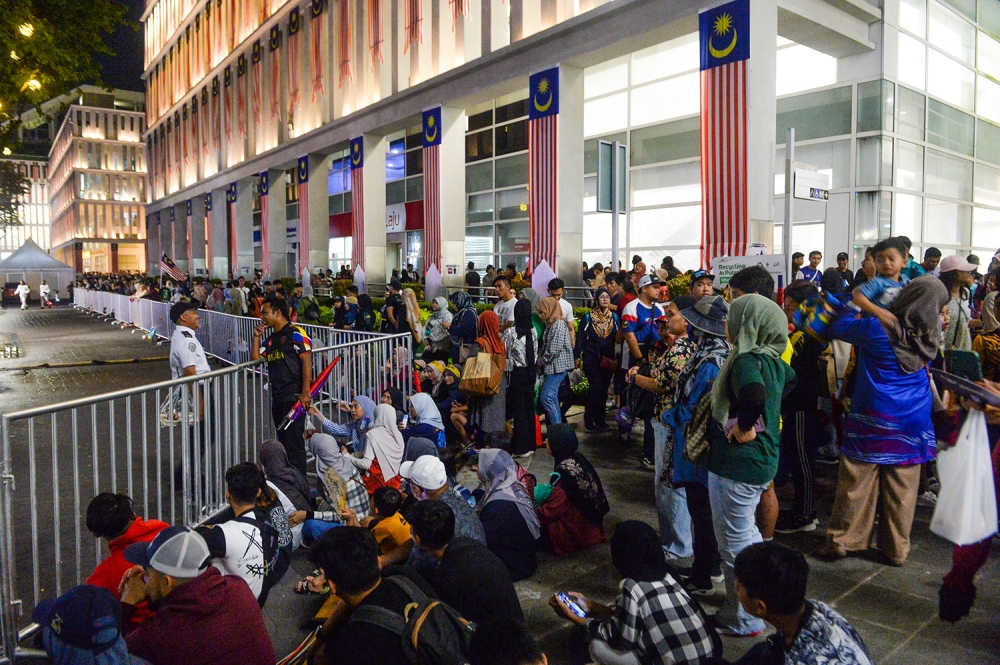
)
(406, 420)
(964, 364)
(571, 604)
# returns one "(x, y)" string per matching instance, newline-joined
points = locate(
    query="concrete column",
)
(569, 167)
(374, 196)
(452, 179)
(198, 236)
(276, 223)
(219, 247)
(180, 237)
(244, 228)
(761, 110)
(164, 245)
(319, 213)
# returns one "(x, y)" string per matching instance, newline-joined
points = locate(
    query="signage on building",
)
(724, 267)
(395, 218)
(451, 270)
(811, 185)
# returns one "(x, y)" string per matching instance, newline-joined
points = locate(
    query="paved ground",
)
(895, 609)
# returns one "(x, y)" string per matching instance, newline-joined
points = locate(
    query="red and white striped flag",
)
(302, 177)
(184, 141)
(231, 197)
(432, 206)
(357, 157)
(255, 83)
(724, 209)
(209, 262)
(459, 7)
(274, 73)
(376, 31)
(206, 126)
(316, 52)
(265, 226)
(542, 182)
(294, 61)
(190, 245)
(241, 98)
(227, 117)
(413, 18)
(344, 33)
(169, 267)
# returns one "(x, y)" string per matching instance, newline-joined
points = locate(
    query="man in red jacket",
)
(202, 617)
(112, 517)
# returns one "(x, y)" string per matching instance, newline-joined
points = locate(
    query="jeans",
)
(733, 506)
(550, 397)
(313, 529)
(671, 504)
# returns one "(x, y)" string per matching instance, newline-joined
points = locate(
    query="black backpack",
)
(432, 632)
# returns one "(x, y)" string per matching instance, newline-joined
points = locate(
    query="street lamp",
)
(26, 29)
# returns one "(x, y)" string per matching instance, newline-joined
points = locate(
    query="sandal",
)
(304, 587)
(830, 553)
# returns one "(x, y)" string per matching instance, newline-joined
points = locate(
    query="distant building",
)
(33, 210)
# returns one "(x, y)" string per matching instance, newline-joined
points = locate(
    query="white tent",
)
(33, 264)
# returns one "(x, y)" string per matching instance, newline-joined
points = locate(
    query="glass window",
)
(989, 16)
(948, 176)
(874, 161)
(597, 231)
(952, 34)
(512, 137)
(987, 142)
(479, 145)
(967, 7)
(512, 203)
(513, 237)
(913, 16)
(479, 177)
(946, 222)
(666, 226)
(911, 61)
(949, 128)
(479, 240)
(590, 150)
(988, 54)
(414, 139)
(480, 208)
(987, 98)
(480, 120)
(668, 99)
(911, 114)
(664, 185)
(414, 162)
(605, 115)
(590, 194)
(513, 110)
(395, 192)
(872, 213)
(815, 115)
(802, 68)
(415, 188)
(661, 143)
(950, 81)
(986, 228)
(395, 161)
(987, 186)
(832, 158)
(666, 59)
(909, 166)
(875, 104)
(512, 171)
(606, 77)
(906, 221)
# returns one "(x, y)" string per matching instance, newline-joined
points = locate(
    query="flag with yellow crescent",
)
(724, 34)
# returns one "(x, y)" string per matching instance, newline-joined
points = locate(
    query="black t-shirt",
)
(508, 536)
(395, 301)
(284, 369)
(475, 582)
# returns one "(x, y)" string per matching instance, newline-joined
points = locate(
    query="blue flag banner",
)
(263, 183)
(208, 201)
(172, 215)
(432, 127)
(357, 153)
(188, 207)
(302, 171)
(231, 193)
(724, 34)
(543, 99)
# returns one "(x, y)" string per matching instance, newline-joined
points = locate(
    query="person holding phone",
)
(649, 607)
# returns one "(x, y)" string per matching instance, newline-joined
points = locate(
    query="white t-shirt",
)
(567, 310)
(504, 309)
(244, 553)
(185, 351)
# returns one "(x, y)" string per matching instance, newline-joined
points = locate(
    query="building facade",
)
(256, 108)
(33, 208)
(97, 180)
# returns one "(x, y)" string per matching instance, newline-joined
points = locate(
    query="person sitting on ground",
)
(573, 515)
(437, 341)
(653, 619)
(83, 627)
(361, 410)
(247, 545)
(425, 420)
(470, 577)
(383, 451)
(349, 486)
(202, 616)
(435, 385)
(508, 515)
(771, 584)
(504, 641)
(394, 397)
(112, 517)
(390, 528)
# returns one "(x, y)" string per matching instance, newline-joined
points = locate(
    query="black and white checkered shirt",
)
(660, 622)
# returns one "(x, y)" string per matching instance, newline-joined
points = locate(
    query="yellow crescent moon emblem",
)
(356, 159)
(716, 53)
(430, 134)
(542, 108)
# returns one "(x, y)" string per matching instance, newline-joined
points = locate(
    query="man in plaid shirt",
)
(653, 620)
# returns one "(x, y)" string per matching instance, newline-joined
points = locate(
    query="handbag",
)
(481, 375)
(696, 445)
(608, 364)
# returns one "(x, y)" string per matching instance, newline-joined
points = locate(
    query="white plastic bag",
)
(966, 510)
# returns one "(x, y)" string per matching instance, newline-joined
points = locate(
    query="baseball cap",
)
(701, 274)
(179, 308)
(954, 262)
(87, 617)
(649, 280)
(842, 256)
(176, 551)
(427, 472)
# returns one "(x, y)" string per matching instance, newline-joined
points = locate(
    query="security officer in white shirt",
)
(187, 358)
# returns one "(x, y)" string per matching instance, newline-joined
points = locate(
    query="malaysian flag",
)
(227, 118)
(208, 233)
(169, 267)
(255, 83)
(357, 153)
(543, 117)
(294, 62)
(432, 188)
(241, 95)
(274, 73)
(302, 178)
(316, 52)
(173, 232)
(231, 196)
(265, 226)
(463, 7)
(214, 120)
(413, 18)
(724, 37)
(344, 41)
(376, 31)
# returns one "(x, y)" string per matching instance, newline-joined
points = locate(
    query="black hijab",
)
(285, 477)
(577, 475)
(396, 395)
(636, 552)
(523, 328)
(916, 334)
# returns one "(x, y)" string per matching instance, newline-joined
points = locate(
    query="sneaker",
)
(828, 454)
(695, 589)
(717, 576)
(793, 523)
(649, 464)
(602, 427)
(928, 499)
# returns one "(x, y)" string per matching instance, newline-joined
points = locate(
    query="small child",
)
(874, 296)
(391, 530)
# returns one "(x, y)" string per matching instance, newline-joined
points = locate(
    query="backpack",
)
(641, 403)
(311, 310)
(432, 633)
(696, 443)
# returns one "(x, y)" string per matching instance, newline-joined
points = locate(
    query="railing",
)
(167, 445)
(577, 296)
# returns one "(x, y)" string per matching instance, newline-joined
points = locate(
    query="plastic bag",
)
(966, 510)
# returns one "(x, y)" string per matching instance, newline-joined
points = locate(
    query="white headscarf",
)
(426, 410)
(386, 441)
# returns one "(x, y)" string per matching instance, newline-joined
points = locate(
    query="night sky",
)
(125, 70)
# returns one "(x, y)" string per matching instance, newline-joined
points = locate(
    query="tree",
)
(53, 46)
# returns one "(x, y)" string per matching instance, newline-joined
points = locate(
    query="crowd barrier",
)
(167, 445)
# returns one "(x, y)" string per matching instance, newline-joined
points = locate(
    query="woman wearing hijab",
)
(888, 433)
(572, 517)
(340, 485)
(435, 385)
(383, 451)
(437, 342)
(413, 316)
(235, 302)
(652, 620)
(556, 356)
(745, 437)
(521, 342)
(595, 346)
(425, 420)
(364, 320)
(361, 411)
(533, 298)
(463, 327)
(394, 398)
(489, 414)
(507, 514)
(283, 475)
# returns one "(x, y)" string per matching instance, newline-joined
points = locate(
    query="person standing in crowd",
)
(556, 357)
(888, 433)
(488, 414)
(507, 513)
(702, 284)
(813, 273)
(437, 342)
(472, 280)
(43, 294)
(521, 343)
(989, 310)
(364, 320)
(490, 276)
(641, 335)
(866, 271)
(595, 348)
(23, 291)
(504, 307)
(612, 282)
(956, 275)
(394, 320)
(412, 315)
(241, 285)
(668, 264)
(289, 372)
(745, 437)
(798, 258)
(557, 289)
(932, 257)
(837, 280)
(463, 327)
